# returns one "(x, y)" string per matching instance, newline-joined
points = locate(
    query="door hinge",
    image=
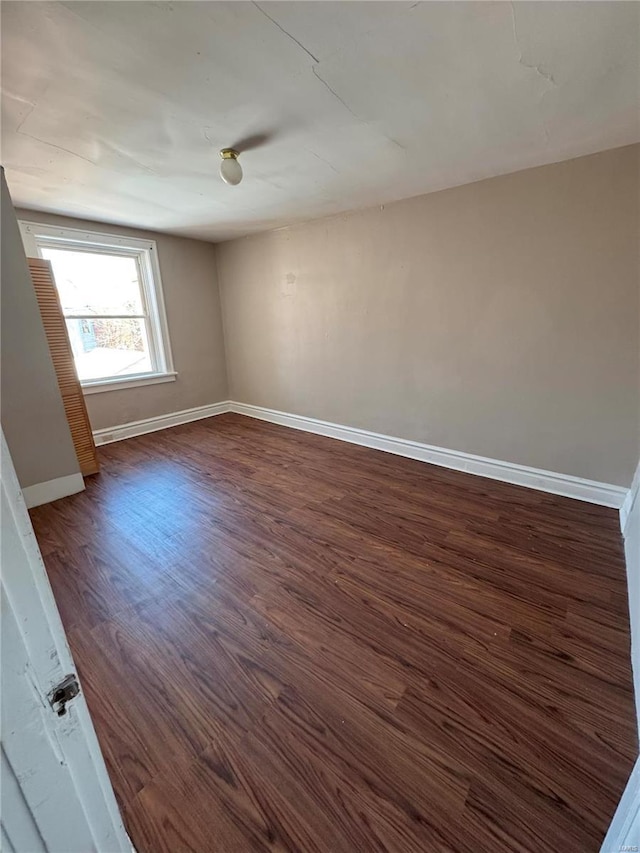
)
(64, 692)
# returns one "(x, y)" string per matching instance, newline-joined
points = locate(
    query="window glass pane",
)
(90, 283)
(108, 347)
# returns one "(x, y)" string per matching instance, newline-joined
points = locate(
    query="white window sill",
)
(101, 385)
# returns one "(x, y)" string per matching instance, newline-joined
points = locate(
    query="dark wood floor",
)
(292, 643)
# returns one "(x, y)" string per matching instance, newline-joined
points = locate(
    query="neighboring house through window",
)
(111, 297)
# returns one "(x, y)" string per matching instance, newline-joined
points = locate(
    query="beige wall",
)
(33, 417)
(498, 318)
(192, 303)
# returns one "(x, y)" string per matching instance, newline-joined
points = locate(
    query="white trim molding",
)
(624, 831)
(566, 485)
(52, 490)
(629, 501)
(630, 523)
(136, 381)
(37, 237)
(133, 428)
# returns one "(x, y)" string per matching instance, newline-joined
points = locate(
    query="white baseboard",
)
(508, 472)
(133, 428)
(52, 490)
(632, 496)
(624, 831)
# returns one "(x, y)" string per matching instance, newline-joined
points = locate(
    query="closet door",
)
(55, 329)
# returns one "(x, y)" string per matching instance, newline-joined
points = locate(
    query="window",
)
(111, 297)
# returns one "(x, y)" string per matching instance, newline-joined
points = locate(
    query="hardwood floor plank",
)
(290, 643)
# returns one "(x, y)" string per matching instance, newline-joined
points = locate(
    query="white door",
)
(56, 795)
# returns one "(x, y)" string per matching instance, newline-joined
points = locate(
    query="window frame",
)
(37, 236)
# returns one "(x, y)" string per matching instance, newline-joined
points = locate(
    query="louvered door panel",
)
(55, 329)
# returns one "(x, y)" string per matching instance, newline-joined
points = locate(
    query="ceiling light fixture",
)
(230, 169)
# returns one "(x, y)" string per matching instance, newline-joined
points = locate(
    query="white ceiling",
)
(116, 110)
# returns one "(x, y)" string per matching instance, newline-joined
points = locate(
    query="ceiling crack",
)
(333, 92)
(539, 69)
(58, 147)
(396, 143)
(282, 29)
(318, 157)
(316, 73)
(308, 52)
(32, 107)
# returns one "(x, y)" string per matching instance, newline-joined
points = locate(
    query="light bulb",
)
(230, 169)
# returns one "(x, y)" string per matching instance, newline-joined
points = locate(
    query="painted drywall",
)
(33, 417)
(192, 303)
(498, 318)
